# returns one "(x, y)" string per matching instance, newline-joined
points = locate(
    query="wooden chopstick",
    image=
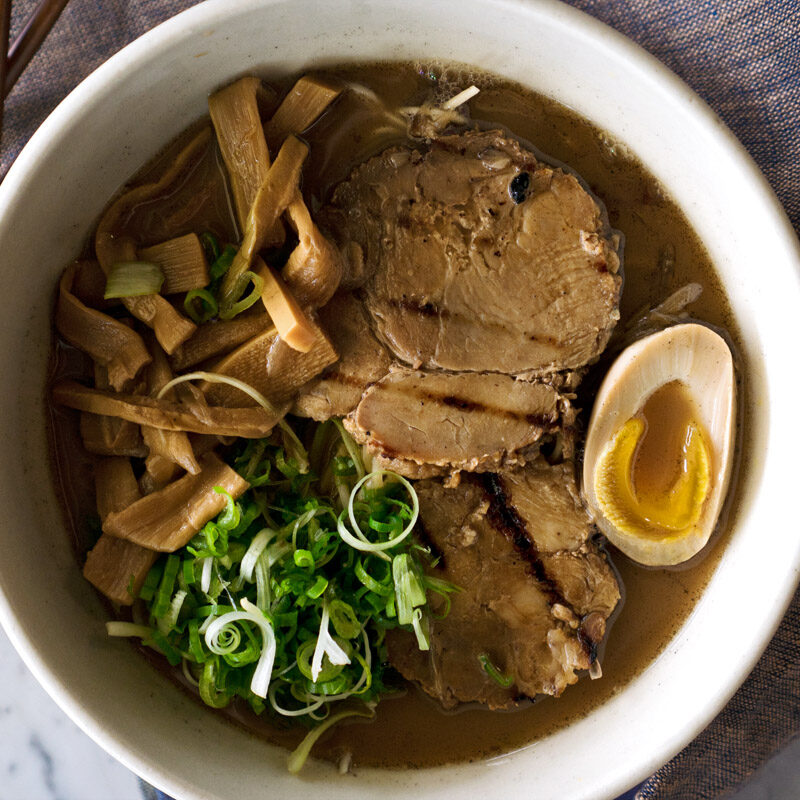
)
(30, 39)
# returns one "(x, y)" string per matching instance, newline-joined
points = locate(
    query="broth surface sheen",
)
(661, 253)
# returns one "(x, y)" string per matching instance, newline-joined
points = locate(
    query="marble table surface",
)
(44, 756)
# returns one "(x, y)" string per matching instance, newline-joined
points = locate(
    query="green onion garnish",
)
(284, 599)
(200, 305)
(222, 262)
(249, 299)
(210, 245)
(132, 279)
(494, 673)
(302, 751)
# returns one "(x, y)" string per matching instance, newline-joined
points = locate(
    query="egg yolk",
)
(654, 475)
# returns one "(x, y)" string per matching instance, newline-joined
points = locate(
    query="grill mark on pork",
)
(545, 421)
(477, 422)
(428, 309)
(506, 519)
(504, 609)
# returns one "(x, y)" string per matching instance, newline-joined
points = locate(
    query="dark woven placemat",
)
(743, 58)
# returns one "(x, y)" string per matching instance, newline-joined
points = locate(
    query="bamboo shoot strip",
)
(248, 422)
(171, 328)
(182, 261)
(115, 567)
(314, 269)
(234, 112)
(215, 339)
(115, 485)
(111, 436)
(170, 446)
(107, 340)
(273, 197)
(111, 245)
(167, 519)
(291, 322)
(271, 367)
(300, 109)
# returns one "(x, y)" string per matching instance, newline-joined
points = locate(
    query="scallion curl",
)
(360, 541)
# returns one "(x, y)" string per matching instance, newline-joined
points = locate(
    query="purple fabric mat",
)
(743, 58)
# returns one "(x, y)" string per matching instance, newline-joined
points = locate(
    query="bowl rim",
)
(211, 12)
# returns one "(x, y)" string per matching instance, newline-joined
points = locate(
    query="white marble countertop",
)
(45, 756)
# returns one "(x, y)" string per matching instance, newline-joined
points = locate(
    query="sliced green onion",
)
(351, 447)
(364, 577)
(168, 621)
(422, 630)
(163, 644)
(207, 302)
(300, 754)
(133, 279)
(328, 670)
(164, 595)
(210, 245)
(222, 263)
(444, 589)
(262, 583)
(209, 691)
(148, 590)
(205, 574)
(257, 546)
(285, 712)
(271, 603)
(248, 300)
(364, 681)
(408, 592)
(128, 629)
(360, 541)
(195, 644)
(231, 514)
(318, 588)
(303, 559)
(494, 673)
(187, 571)
(186, 668)
(261, 677)
(344, 619)
(294, 447)
(213, 610)
(326, 646)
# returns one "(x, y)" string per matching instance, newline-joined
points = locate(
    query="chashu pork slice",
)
(363, 361)
(474, 256)
(536, 590)
(423, 423)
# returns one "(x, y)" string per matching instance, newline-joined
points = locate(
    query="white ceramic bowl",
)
(153, 89)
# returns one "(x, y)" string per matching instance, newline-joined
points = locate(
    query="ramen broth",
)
(661, 253)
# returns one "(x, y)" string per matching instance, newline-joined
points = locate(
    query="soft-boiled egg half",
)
(659, 449)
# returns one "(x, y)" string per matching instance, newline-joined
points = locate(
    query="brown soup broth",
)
(661, 253)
